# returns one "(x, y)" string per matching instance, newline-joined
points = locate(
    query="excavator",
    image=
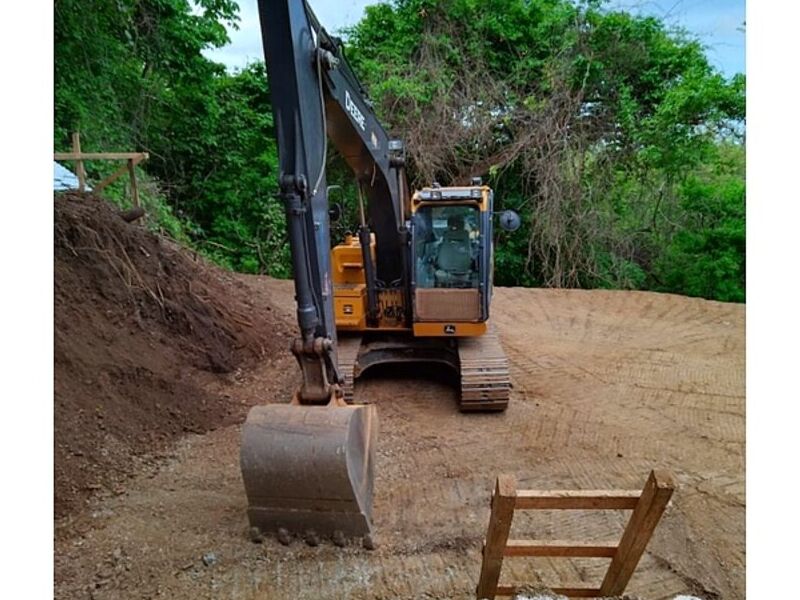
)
(413, 284)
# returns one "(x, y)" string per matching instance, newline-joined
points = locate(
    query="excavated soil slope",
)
(141, 331)
(607, 385)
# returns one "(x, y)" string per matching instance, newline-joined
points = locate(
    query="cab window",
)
(447, 246)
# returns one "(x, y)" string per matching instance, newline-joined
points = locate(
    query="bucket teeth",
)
(339, 539)
(283, 536)
(311, 537)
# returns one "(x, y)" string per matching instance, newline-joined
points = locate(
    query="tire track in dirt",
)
(597, 402)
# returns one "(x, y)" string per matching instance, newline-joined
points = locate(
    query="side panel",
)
(350, 302)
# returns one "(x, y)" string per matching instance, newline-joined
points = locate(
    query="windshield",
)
(447, 246)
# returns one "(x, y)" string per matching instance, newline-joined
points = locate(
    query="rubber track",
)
(485, 379)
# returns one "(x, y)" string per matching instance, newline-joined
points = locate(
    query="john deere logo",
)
(449, 329)
(354, 111)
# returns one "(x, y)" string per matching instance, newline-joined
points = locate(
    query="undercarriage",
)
(479, 362)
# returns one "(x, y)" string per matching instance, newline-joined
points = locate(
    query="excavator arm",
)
(308, 466)
(315, 92)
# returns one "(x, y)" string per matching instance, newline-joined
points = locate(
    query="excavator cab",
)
(451, 230)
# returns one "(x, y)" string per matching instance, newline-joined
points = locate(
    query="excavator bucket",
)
(310, 468)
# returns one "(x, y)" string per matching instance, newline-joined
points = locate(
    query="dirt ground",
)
(607, 386)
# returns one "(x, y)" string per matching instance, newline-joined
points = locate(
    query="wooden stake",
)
(76, 149)
(655, 496)
(503, 500)
(134, 187)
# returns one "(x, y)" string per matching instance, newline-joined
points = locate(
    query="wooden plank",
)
(497, 535)
(79, 156)
(110, 179)
(560, 548)
(134, 187)
(570, 592)
(577, 500)
(79, 170)
(655, 496)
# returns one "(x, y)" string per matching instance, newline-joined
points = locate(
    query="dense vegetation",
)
(612, 136)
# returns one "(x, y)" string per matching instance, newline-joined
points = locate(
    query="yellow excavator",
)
(414, 284)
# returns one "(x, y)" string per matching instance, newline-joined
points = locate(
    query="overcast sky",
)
(718, 24)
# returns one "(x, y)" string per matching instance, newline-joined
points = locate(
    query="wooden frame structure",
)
(647, 505)
(132, 159)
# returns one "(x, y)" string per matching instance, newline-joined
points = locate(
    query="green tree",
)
(611, 135)
(587, 121)
(706, 256)
(131, 74)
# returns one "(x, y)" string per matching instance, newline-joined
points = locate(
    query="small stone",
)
(339, 539)
(209, 559)
(312, 539)
(283, 536)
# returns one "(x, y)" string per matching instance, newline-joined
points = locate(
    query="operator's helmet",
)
(455, 222)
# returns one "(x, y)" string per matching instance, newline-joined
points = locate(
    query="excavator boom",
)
(308, 466)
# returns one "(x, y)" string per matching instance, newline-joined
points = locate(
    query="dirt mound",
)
(142, 327)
